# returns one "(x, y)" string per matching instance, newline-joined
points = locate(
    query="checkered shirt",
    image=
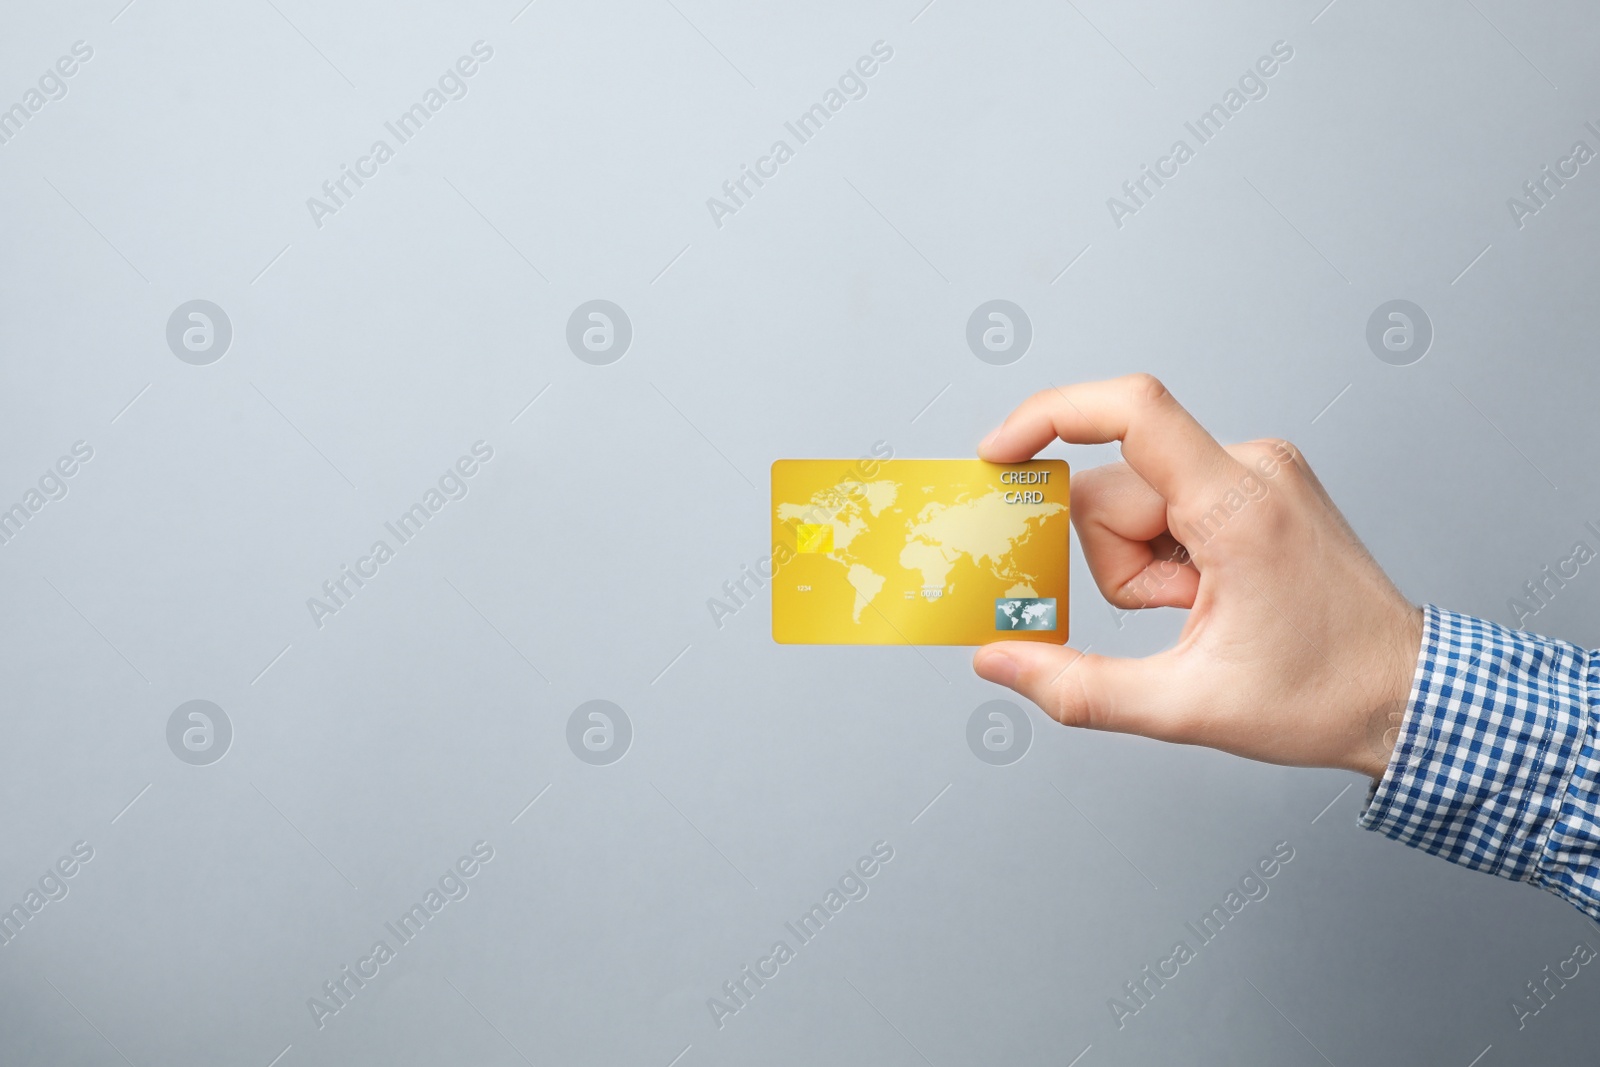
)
(1497, 766)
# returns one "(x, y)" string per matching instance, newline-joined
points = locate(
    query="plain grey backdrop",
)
(376, 339)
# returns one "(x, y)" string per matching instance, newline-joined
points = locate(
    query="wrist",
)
(1381, 721)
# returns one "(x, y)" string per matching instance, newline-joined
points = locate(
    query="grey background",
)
(829, 313)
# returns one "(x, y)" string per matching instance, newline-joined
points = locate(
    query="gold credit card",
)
(919, 551)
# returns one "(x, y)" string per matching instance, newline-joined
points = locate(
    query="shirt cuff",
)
(1496, 765)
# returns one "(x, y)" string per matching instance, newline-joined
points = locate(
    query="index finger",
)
(1160, 440)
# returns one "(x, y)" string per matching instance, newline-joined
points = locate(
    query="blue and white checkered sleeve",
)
(1497, 766)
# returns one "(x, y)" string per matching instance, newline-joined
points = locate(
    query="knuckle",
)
(1146, 388)
(1062, 709)
(1069, 702)
(1272, 456)
(1281, 449)
(1044, 398)
(1067, 706)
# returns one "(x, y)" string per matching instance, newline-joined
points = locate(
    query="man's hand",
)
(1297, 649)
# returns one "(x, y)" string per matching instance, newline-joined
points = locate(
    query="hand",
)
(1297, 649)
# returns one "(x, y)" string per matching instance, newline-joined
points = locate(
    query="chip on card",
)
(919, 551)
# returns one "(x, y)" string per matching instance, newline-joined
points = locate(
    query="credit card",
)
(919, 551)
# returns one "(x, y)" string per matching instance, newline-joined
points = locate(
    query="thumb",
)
(1076, 688)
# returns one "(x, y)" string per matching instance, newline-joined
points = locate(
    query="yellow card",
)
(919, 551)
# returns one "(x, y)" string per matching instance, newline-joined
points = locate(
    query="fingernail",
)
(997, 667)
(994, 435)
